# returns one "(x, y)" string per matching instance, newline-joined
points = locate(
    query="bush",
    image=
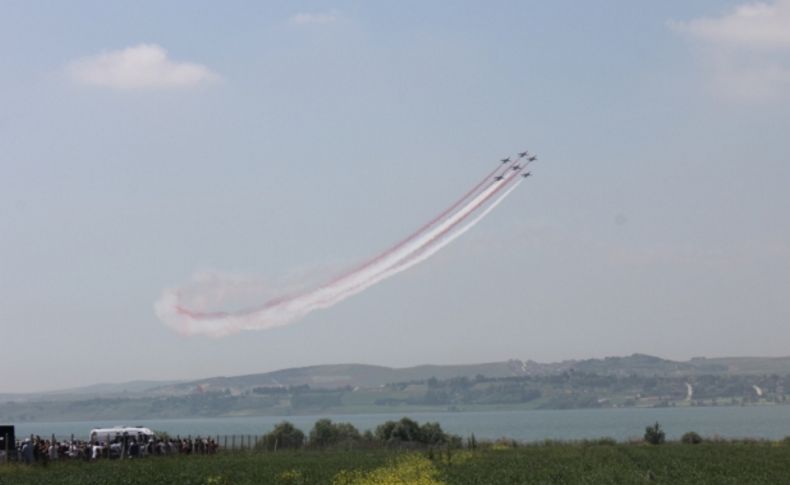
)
(654, 434)
(404, 430)
(326, 433)
(409, 431)
(432, 434)
(284, 435)
(691, 438)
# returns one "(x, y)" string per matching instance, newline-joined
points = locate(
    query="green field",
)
(714, 463)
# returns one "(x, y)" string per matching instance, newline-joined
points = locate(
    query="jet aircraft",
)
(526, 175)
(523, 154)
(505, 160)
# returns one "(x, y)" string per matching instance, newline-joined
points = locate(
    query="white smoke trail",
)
(286, 310)
(453, 207)
(421, 248)
(431, 248)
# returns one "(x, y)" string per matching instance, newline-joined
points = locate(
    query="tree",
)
(406, 430)
(284, 435)
(384, 430)
(409, 431)
(654, 434)
(471, 442)
(691, 438)
(323, 433)
(432, 434)
(326, 433)
(346, 432)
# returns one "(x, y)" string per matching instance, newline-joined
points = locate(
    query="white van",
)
(108, 435)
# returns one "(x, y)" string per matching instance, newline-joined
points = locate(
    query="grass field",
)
(714, 463)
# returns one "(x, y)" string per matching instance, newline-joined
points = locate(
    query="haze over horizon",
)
(272, 145)
(82, 388)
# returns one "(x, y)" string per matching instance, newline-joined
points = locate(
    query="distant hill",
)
(638, 364)
(743, 365)
(344, 375)
(636, 380)
(367, 376)
(121, 389)
(337, 376)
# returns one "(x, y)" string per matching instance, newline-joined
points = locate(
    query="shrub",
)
(326, 433)
(284, 435)
(403, 430)
(409, 431)
(432, 434)
(654, 434)
(691, 438)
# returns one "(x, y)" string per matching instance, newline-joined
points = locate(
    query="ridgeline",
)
(633, 381)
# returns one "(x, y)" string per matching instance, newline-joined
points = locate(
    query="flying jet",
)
(532, 158)
(528, 174)
(505, 160)
(515, 167)
(499, 177)
(523, 154)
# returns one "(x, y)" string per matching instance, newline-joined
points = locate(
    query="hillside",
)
(344, 375)
(340, 376)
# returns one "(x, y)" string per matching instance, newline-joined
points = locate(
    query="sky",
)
(144, 143)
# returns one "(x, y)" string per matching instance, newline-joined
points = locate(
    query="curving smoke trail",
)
(283, 310)
(499, 171)
(429, 249)
(424, 227)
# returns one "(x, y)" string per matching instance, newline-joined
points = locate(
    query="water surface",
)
(770, 422)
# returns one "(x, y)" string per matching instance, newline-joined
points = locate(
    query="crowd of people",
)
(38, 450)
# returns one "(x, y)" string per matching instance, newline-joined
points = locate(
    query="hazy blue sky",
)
(143, 141)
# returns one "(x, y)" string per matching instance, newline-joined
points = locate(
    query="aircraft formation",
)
(524, 156)
(174, 308)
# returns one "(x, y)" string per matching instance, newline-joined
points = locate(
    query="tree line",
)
(327, 434)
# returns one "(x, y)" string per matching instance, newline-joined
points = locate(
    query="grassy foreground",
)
(719, 463)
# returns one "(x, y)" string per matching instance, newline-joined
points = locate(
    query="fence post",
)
(225, 446)
(233, 442)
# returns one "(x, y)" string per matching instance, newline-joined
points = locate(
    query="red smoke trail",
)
(471, 211)
(360, 267)
(416, 233)
(425, 246)
(286, 298)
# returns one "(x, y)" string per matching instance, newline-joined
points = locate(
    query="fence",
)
(223, 443)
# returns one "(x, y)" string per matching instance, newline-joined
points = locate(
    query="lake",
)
(771, 422)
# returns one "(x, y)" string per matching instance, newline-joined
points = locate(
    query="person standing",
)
(27, 451)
